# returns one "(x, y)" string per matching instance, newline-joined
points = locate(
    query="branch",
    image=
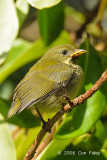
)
(73, 103)
(45, 142)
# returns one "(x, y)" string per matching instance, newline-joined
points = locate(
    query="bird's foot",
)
(47, 126)
(69, 102)
(68, 99)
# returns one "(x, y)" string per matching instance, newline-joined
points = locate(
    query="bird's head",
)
(65, 53)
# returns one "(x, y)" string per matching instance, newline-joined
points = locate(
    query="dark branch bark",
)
(77, 101)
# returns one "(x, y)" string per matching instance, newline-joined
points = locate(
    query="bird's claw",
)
(47, 126)
(68, 100)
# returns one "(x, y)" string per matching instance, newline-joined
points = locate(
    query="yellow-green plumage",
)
(54, 75)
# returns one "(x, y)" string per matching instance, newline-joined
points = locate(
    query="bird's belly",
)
(51, 103)
(54, 102)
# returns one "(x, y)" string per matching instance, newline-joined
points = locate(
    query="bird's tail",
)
(14, 107)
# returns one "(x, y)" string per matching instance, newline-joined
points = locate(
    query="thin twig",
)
(45, 142)
(77, 101)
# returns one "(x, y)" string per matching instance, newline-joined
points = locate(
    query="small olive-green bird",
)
(46, 83)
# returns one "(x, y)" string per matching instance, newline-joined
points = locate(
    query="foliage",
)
(85, 128)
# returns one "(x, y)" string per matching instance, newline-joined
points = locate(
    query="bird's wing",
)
(35, 87)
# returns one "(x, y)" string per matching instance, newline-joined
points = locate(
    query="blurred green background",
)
(28, 28)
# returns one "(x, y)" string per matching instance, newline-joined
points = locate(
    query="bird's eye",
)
(64, 52)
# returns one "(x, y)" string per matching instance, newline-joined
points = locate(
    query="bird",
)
(56, 74)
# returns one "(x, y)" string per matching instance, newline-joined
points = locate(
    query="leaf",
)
(103, 56)
(104, 153)
(53, 149)
(24, 119)
(87, 113)
(91, 141)
(15, 56)
(59, 149)
(8, 27)
(7, 148)
(51, 22)
(40, 4)
(93, 67)
(6, 89)
(24, 52)
(22, 10)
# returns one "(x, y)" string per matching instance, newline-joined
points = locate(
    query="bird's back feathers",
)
(38, 84)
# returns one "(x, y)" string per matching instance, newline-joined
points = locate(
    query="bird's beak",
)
(78, 52)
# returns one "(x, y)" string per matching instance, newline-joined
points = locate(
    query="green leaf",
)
(23, 141)
(24, 52)
(104, 153)
(53, 149)
(51, 22)
(7, 148)
(91, 141)
(40, 4)
(87, 113)
(24, 119)
(59, 149)
(8, 27)
(103, 56)
(6, 89)
(93, 67)
(22, 7)
(15, 56)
